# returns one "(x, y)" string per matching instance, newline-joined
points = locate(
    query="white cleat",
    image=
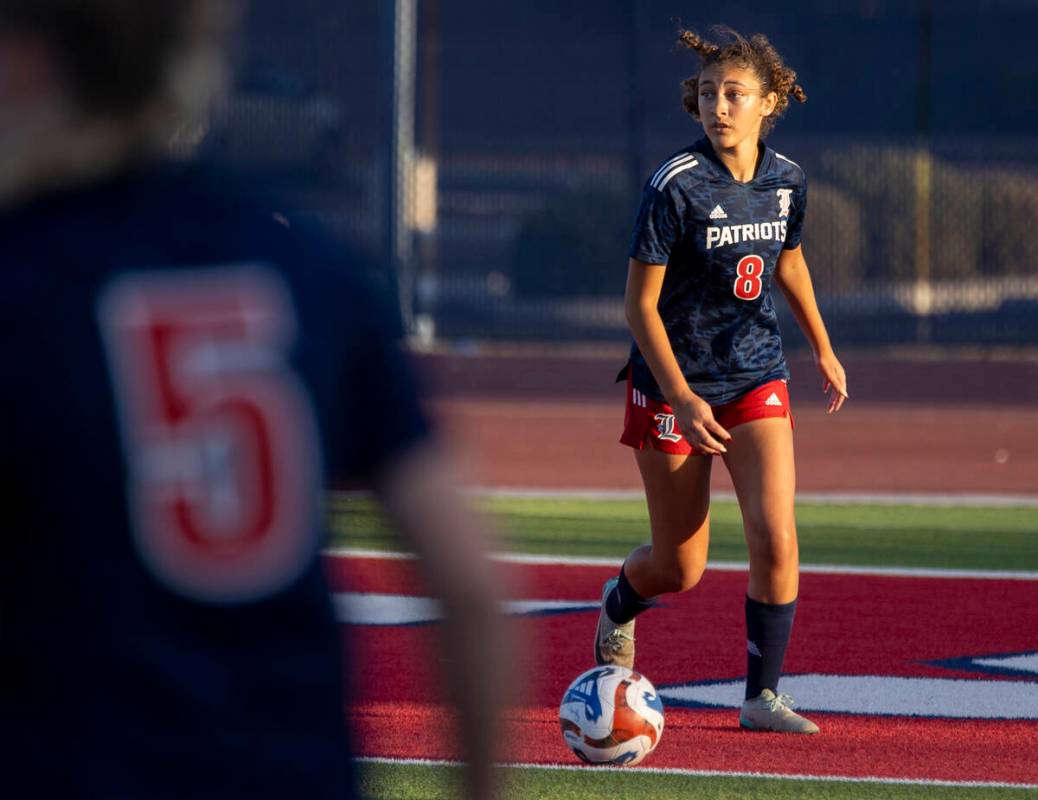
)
(614, 644)
(771, 712)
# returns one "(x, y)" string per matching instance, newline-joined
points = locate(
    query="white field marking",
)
(820, 498)
(720, 566)
(362, 608)
(881, 695)
(1028, 662)
(384, 609)
(707, 773)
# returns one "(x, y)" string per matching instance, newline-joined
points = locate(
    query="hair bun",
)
(693, 41)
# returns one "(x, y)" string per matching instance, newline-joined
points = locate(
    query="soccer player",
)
(720, 220)
(180, 373)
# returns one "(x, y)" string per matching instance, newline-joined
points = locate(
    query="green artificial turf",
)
(864, 535)
(410, 782)
(861, 535)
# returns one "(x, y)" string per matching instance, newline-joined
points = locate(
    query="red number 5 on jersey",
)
(218, 432)
(749, 280)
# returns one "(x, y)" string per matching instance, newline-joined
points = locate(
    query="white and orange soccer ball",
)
(611, 715)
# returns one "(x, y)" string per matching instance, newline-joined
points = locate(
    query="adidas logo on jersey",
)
(718, 213)
(773, 400)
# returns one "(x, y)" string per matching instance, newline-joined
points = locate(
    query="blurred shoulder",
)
(168, 218)
(245, 219)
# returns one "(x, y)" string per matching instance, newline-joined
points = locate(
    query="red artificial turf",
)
(846, 624)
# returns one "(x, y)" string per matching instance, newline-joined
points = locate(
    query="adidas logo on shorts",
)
(773, 400)
(718, 213)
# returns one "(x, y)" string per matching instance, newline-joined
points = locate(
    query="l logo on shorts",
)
(665, 428)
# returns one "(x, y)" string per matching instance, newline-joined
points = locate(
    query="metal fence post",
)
(923, 294)
(400, 45)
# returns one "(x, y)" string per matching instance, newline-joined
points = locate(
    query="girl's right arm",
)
(693, 414)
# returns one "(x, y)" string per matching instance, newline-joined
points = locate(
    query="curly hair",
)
(756, 54)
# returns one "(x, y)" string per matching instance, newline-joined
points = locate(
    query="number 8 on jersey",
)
(749, 278)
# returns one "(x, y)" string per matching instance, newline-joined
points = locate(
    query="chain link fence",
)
(536, 124)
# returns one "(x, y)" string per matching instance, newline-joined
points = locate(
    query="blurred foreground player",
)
(178, 375)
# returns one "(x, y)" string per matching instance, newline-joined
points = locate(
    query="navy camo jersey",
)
(720, 240)
(130, 664)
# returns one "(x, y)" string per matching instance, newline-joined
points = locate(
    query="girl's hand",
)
(696, 420)
(835, 380)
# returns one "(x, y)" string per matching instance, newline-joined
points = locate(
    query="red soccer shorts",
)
(651, 423)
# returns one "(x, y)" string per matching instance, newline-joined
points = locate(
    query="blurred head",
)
(742, 88)
(87, 84)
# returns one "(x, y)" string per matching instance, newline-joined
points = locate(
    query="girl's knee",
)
(682, 577)
(775, 545)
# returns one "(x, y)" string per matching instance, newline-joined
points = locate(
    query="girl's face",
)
(731, 106)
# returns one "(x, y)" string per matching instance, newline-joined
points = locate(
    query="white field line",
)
(703, 773)
(720, 566)
(820, 498)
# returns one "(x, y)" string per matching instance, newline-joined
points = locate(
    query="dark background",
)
(543, 119)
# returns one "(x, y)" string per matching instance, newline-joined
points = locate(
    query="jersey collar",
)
(765, 163)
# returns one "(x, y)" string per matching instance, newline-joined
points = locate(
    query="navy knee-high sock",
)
(767, 635)
(623, 603)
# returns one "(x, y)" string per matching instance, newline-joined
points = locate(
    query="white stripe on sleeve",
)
(675, 171)
(667, 165)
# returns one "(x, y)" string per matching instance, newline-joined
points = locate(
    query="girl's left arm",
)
(794, 280)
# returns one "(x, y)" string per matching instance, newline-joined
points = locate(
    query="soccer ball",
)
(611, 715)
